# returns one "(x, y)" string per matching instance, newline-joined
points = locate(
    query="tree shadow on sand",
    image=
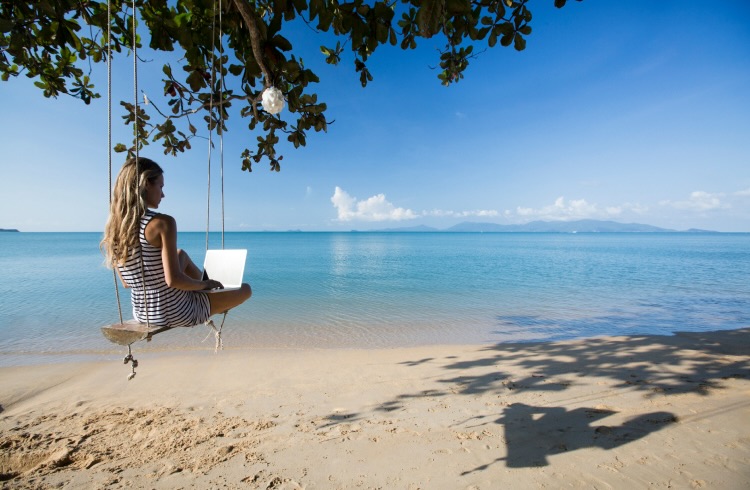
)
(686, 362)
(683, 363)
(655, 365)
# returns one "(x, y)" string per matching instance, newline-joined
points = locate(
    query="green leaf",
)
(429, 16)
(458, 7)
(183, 19)
(506, 39)
(6, 25)
(505, 28)
(282, 43)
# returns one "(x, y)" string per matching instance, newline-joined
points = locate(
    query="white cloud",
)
(375, 208)
(744, 193)
(625, 207)
(484, 213)
(562, 210)
(699, 201)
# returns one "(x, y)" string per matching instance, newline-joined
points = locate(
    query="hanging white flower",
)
(272, 100)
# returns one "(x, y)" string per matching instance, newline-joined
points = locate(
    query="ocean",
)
(385, 290)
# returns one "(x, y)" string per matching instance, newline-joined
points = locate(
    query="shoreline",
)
(605, 411)
(191, 343)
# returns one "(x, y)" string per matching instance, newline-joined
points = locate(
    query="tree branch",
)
(249, 17)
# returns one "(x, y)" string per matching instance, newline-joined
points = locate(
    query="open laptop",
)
(225, 266)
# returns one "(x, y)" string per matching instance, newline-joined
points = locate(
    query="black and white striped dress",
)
(166, 306)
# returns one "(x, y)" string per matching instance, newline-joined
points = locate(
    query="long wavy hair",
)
(127, 207)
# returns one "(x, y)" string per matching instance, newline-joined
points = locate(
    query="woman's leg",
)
(226, 300)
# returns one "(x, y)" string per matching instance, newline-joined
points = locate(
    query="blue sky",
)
(633, 111)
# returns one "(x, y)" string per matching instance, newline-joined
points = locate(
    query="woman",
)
(142, 243)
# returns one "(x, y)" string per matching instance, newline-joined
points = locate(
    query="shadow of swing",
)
(532, 434)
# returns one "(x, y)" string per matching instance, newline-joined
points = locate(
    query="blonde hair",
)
(126, 209)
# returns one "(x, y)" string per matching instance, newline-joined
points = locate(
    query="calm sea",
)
(391, 289)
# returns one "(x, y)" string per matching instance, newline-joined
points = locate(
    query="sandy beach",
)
(624, 412)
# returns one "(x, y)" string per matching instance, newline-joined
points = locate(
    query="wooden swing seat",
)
(130, 331)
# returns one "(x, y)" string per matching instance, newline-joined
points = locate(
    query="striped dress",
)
(166, 306)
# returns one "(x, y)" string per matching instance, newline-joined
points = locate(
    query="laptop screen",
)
(225, 266)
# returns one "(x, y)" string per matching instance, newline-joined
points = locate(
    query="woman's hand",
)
(212, 284)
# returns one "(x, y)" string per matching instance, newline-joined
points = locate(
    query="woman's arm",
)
(162, 232)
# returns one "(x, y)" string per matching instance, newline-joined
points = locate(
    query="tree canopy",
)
(232, 50)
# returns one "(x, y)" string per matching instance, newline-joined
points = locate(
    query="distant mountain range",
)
(580, 226)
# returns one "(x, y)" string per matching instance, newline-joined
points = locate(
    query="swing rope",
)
(109, 137)
(129, 358)
(137, 140)
(210, 147)
(220, 132)
(217, 332)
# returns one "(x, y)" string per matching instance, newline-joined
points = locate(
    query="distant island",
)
(580, 226)
(8, 229)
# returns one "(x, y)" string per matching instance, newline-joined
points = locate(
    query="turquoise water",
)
(391, 289)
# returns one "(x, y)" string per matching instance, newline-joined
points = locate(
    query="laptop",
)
(225, 266)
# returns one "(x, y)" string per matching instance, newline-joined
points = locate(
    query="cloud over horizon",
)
(700, 201)
(378, 208)
(562, 210)
(375, 208)
(440, 213)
